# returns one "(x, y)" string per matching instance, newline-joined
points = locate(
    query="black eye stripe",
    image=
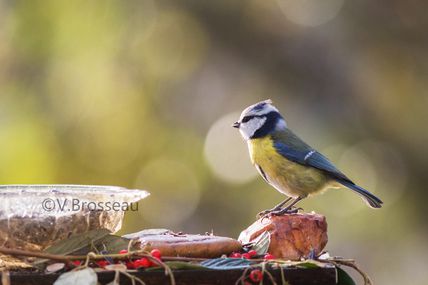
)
(247, 118)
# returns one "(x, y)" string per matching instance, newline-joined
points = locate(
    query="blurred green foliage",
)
(140, 94)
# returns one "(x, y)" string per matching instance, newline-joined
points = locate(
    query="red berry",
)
(102, 263)
(123, 251)
(142, 262)
(256, 275)
(154, 263)
(235, 255)
(246, 256)
(156, 253)
(130, 265)
(252, 253)
(76, 263)
(269, 256)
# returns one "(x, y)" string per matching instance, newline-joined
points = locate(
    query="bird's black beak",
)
(236, 125)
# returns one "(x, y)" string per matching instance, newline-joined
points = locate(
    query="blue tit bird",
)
(286, 162)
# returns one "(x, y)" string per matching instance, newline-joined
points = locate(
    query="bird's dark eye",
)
(246, 119)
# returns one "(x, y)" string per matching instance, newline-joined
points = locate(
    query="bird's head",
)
(259, 120)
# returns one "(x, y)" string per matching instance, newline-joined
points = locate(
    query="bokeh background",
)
(142, 94)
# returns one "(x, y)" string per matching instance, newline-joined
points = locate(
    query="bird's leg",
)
(276, 208)
(289, 209)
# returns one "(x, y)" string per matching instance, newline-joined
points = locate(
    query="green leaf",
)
(226, 263)
(113, 244)
(82, 244)
(261, 244)
(343, 277)
(75, 243)
(308, 264)
(178, 265)
(148, 232)
(182, 265)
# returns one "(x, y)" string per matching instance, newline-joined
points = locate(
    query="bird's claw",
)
(278, 212)
(285, 211)
(264, 214)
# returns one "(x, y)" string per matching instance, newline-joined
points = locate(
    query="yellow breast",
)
(288, 177)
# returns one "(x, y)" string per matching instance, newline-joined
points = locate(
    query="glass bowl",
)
(35, 216)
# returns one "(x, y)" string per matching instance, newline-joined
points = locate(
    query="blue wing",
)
(310, 157)
(294, 149)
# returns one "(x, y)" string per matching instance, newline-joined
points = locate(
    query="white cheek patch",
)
(248, 129)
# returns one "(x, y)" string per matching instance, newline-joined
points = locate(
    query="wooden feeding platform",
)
(294, 276)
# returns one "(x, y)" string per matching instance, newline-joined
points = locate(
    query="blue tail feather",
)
(371, 199)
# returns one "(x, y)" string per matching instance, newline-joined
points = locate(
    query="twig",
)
(350, 263)
(18, 252)
(168, 270)
(44, 255)
(176, 258)
(132, 277)
(263, 272)
(88, 258)
(283, 281)
(243, 276)
(117, 277)
(5, 277)
(272, 280)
